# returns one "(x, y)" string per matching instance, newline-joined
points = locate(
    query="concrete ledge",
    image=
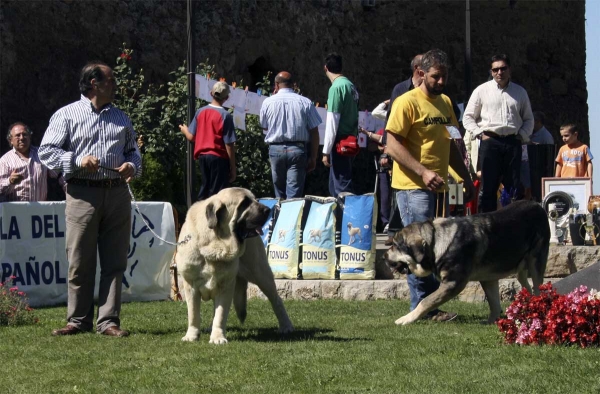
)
(364, 290)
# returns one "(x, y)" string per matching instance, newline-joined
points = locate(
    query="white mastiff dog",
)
(223, 254)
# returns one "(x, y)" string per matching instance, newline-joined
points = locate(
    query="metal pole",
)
(467, 51)
(191, 105)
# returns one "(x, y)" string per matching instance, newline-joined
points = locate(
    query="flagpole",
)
(191, 107)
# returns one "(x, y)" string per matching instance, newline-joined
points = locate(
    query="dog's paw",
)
(404, 320)
(287, 329)
(218, 341)
(192, 334)
(190, 338)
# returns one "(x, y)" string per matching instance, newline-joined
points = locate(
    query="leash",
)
(184, 241)
(437, 204)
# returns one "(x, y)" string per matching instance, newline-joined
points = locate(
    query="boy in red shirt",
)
(574, 158)
(213, 135)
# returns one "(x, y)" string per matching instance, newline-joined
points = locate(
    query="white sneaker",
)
(385, 229)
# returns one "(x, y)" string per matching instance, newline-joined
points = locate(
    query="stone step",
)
(562, 261)
(351, 290)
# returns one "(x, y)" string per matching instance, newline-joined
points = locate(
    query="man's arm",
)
(331, 127)
(314, 149)
(527, 116)
(472, 113)
(380, 112)
(402, 156)
(230, 148)
(6, 185)
(51, 153)
(132, 153)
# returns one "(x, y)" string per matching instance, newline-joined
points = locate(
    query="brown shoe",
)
(68, 330)
(389, 241)
(115, 331)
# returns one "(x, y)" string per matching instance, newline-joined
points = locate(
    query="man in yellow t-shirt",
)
(422, 149)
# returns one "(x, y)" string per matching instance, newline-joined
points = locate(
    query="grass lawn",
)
(339, 347)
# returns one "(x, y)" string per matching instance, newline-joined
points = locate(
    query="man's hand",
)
(311, 164)
(183, 128)
(432, 180)
(126, 170)
(232, 174)
(384, 162)
(326, 162)
(90, 163)
(15, 178)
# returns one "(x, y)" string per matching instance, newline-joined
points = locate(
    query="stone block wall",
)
(44, 44)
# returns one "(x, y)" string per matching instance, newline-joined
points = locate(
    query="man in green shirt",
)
(342, 120)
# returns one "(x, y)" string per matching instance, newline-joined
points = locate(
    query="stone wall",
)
(44, 44)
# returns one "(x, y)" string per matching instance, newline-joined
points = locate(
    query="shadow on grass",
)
(241, 334)
(299, 335)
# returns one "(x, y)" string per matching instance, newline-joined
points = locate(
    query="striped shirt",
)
(76, 131)
(287, 116)
(502, 111)
(33, 186)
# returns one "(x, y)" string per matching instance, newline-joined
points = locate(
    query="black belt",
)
(494, 135)
(105, 183)
(296, 143)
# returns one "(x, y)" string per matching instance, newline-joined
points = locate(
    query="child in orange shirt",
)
(574, 158)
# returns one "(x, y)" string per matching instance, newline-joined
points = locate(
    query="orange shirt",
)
(574, 160)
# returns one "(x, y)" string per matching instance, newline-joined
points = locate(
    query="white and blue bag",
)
(283, 248)
(267, 228)
(357, 248)
(318, 259)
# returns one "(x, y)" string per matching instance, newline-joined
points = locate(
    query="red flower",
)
(553, 319)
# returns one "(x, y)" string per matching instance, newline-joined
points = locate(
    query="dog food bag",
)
(318, 259)
(358, 239)
(267, 228)
(283, 249)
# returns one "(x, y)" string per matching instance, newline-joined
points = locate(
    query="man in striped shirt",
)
(22, 176)
(94, 145)
(291, 125)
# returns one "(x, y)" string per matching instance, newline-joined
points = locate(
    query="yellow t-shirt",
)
(422, 122)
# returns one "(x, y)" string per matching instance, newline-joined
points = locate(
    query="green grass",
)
(339, 347)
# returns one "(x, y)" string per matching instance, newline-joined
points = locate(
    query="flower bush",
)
(14, 310)
(550, 318)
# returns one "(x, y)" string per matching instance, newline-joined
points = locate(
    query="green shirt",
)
(343, 100)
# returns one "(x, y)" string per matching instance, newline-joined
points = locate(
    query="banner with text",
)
(32, 249)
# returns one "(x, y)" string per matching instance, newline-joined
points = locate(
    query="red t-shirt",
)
(213, 129)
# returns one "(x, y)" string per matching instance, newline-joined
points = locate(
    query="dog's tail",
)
(240, 298)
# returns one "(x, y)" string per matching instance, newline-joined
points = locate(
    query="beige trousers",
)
(98, 221)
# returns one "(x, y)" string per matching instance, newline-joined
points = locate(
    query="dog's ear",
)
(214, 211)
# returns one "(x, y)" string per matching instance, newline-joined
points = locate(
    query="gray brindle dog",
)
(484, 247)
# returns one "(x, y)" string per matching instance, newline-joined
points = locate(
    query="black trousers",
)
(215, 175)
(500, 159)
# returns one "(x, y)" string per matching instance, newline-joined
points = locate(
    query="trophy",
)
(552, 218)
(590, 235)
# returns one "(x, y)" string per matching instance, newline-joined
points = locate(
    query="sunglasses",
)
(495, 70)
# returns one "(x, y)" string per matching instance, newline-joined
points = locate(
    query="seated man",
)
(22, 176)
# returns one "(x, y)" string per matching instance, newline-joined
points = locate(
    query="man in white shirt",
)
(499, 113)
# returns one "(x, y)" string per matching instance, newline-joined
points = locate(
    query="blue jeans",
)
(417, 206)
(288, 168)
(340, 174)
